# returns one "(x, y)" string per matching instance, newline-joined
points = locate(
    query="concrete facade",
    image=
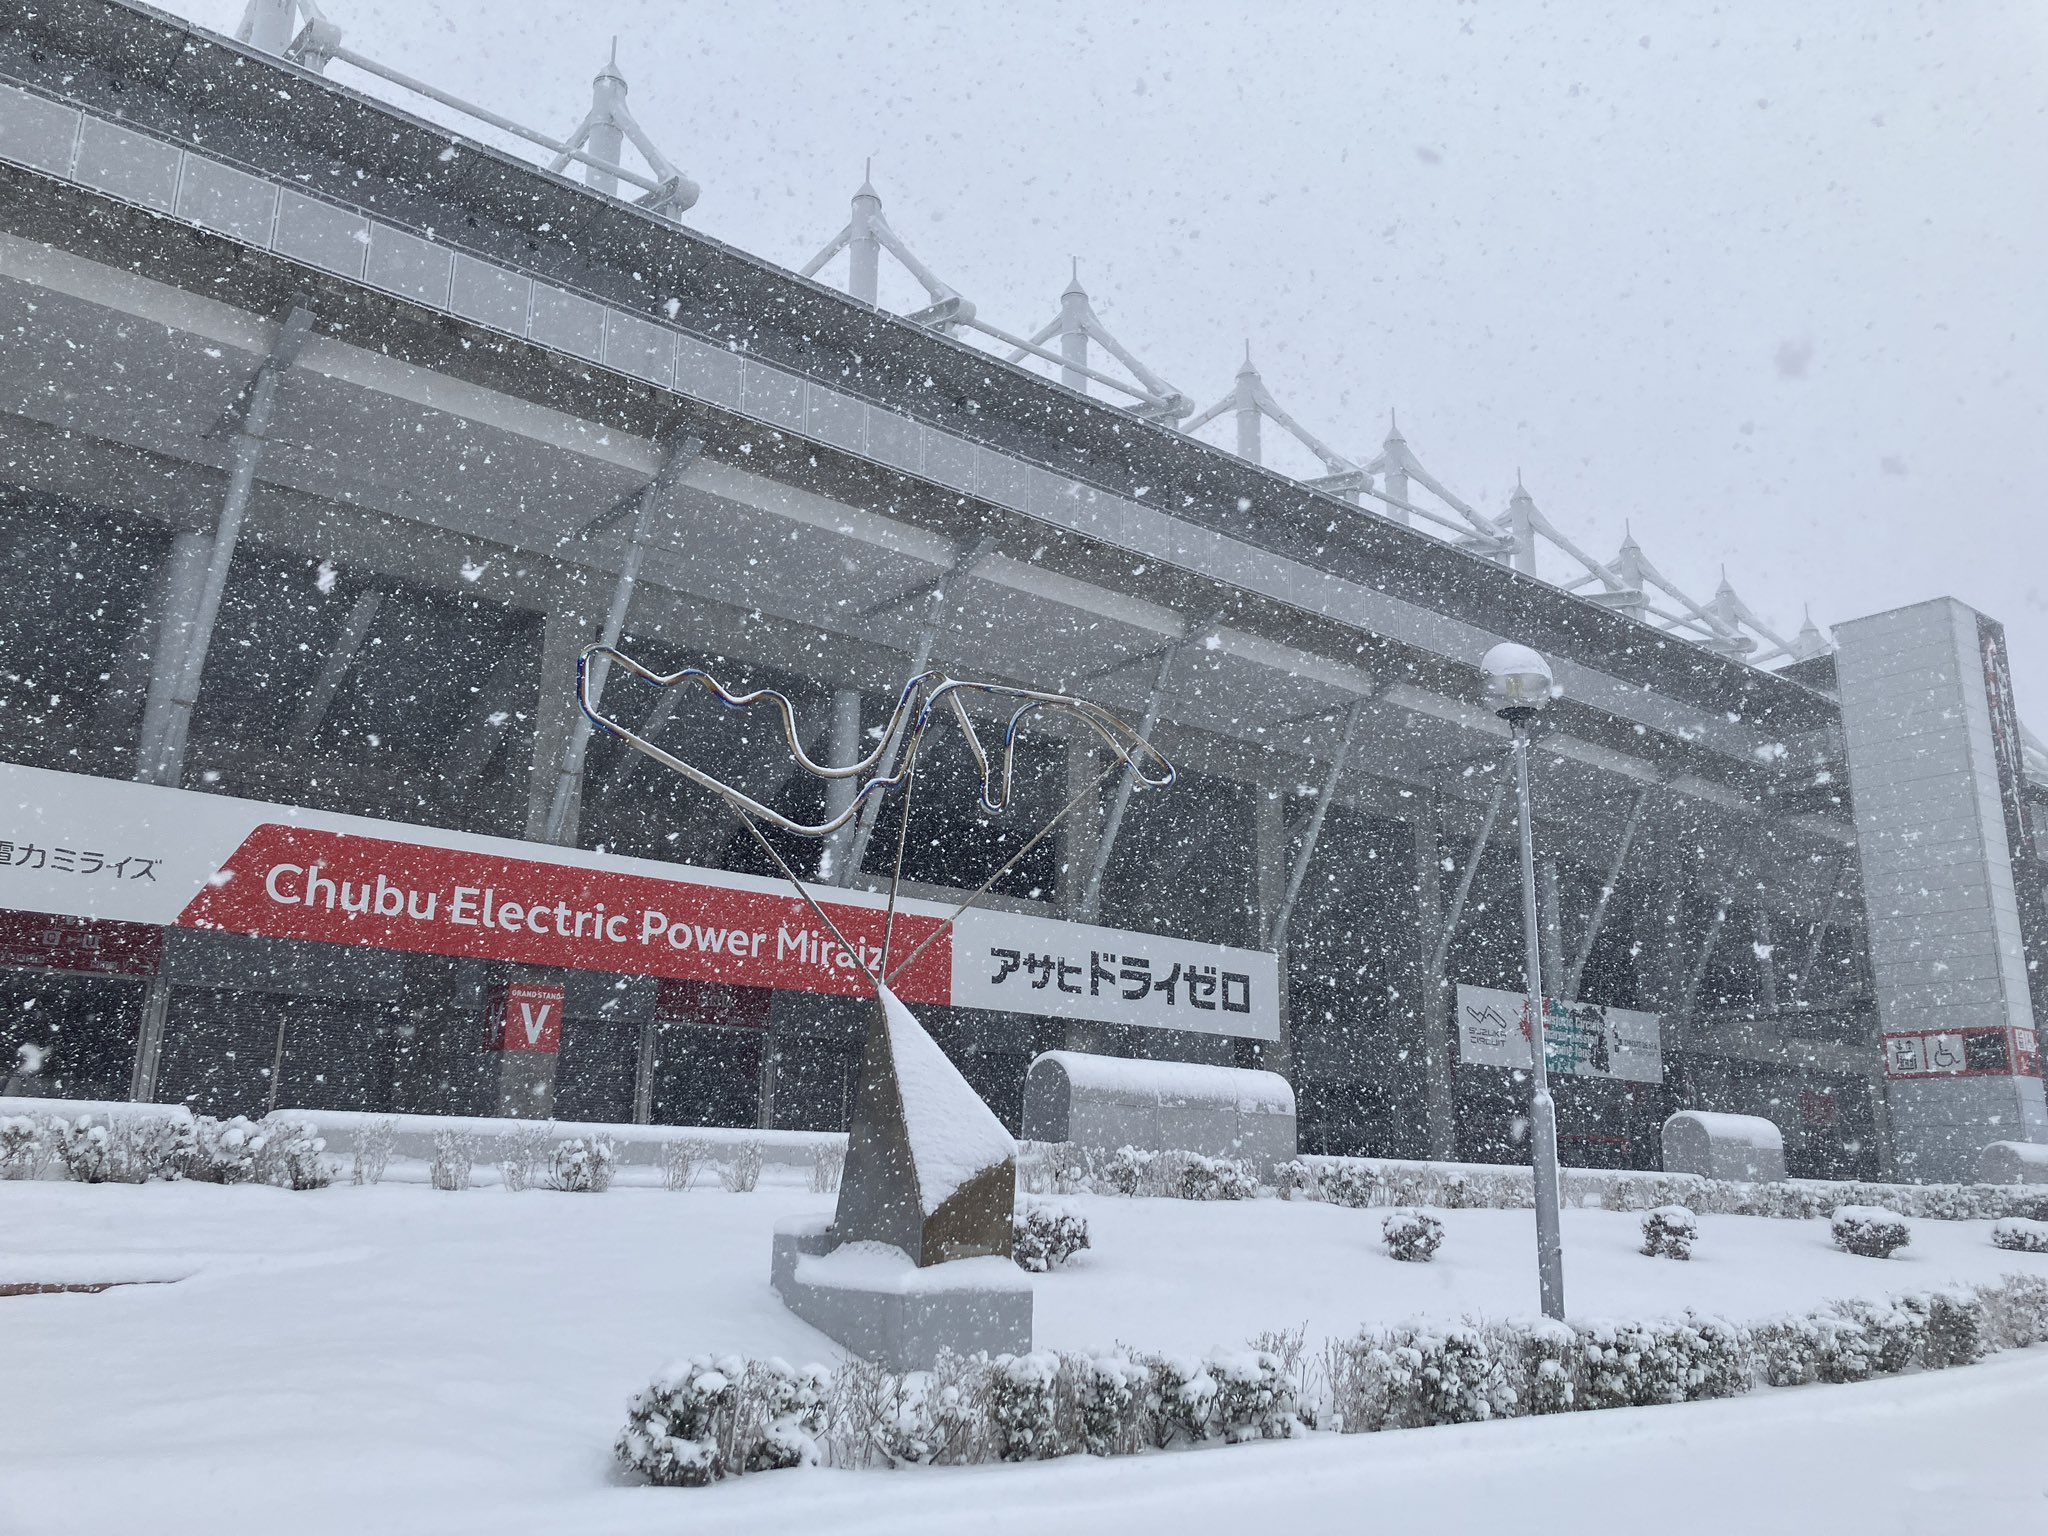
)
(1948, 951)
(499, 356)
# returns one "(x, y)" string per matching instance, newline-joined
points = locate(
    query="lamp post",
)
(1519, 683)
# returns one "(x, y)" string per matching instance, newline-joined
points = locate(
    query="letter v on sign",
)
(532, 1020)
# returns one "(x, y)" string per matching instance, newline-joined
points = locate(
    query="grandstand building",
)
(330, 436)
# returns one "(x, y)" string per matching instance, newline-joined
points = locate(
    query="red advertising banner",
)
(339, 888)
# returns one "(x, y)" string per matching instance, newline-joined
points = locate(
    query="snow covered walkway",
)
(399, 1359)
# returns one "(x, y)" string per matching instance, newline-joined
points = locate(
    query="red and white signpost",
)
(526, 1018)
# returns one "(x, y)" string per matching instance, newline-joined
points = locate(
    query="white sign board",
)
(1580, 1039)
(1019, 964)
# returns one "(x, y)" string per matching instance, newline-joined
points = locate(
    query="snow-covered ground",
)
(400, 1359)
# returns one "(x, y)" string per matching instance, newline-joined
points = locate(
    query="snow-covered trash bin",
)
(1412, 1236)
(1669, 1232)
(1108, 1102)
(2013, 1162)
(2016, 1234)
(1746, 1148)
(1869, 1231)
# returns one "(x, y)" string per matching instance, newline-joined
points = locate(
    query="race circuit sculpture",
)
(929, 1170)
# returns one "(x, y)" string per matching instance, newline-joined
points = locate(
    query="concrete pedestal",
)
(871, 1298)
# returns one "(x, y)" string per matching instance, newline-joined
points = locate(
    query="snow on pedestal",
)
(929, 1168)
(916, 1261)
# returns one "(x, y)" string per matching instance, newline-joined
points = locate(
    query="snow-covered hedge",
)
(164, 1144)
(581, 1165)
(1045, 1233)
(1361, 1182)
(1867, 1230)
(741, 1173)
(1175, 1175)
(2020, 1235)
(708, 1419)
(1412, 1236)
(1669, 1232)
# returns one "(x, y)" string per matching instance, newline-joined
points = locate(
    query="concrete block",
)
(872, 1299)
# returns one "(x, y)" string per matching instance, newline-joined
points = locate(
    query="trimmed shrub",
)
(523, 1152)
(828, 1167)
(1112, 1392)
(1052, 1168)
(1022, 1396)
(681, 1159)
(742, 1175)
(1669, 1231)
(1126, 1170)
(1635, 1365)
(1045, 1235)
(454, 1158)
(376, 1140)
(292, 1155)
(1255, 1397)
(1216, 1178)
(1957, 1331)
(87, 1152)
(224, 1151)
(1787, 1351)
(708, 1419)
(1405, 1378)
(1413, 1237)
(581, 1165)
(126, 1151)
(27, 1143)
(2015, 1311)
(2017, 1234)
(673, 1428)
(1868, 1231)
(1539, 1359)
(1180, 1397)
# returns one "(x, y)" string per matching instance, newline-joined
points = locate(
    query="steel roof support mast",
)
(598, 144)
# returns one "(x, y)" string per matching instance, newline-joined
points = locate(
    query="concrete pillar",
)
(564, 632)
(1553, 932)
(1078, 841)
(645, 1062)
(1660, 957)
(526, 1085)
(771, 1063)
(149, 1040)
(843, 745)
(1270, 849)
(179, 584)
(1766, 965)
(1434, 998)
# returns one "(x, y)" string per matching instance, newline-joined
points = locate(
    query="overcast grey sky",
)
(1763, 279)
